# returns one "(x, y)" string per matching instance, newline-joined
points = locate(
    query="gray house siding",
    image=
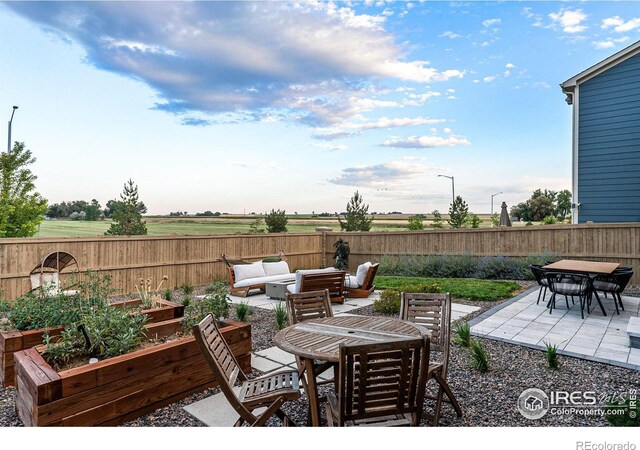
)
(609, 145)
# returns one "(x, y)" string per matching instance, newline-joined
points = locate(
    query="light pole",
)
(453, 189)
(493, 195)
(10, 120)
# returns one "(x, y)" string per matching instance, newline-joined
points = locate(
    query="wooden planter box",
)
(122, 388)
(14, 341)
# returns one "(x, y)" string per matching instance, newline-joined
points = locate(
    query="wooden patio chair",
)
(380, 384)
(308, 306)
(433, 311)
(367, 287)
(269, 391)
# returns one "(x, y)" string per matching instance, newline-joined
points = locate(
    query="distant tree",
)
(540, 207)
(474, 221)
(276, 221)
(437, 219)
(458, 211)
(92, 211)
(127, 219)
(256, 226)
(78, 215)
(415, 222)
(113, 204)
(21, 207)
(355, 219)
(563, 204)
(208, 214)
(495, 219)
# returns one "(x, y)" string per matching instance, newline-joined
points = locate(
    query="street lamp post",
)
(10, 120)
(493, 195)
(453, 189)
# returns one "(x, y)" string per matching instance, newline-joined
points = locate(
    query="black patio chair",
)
(577, 284)
(540, 275)
(614, 284)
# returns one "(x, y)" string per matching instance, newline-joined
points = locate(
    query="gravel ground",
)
(487, 399)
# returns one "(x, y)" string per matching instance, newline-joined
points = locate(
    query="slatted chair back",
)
(382, 379)
(371, 274)
(224, 365)
(308, 305)
(432, 311)
(333, 281)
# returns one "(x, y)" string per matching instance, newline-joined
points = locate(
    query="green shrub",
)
(549, 220)
(281, 315)
(388, 303)
(463, 334)
(415, 223)
(631, 415)
(167, 295)
(276, 221)
(187, 288)
(256, 226)
(528, 224)
(479, 356)
(243, 310)
(186, 300)
(111, 331)
(474, 221)
(341, 254)
(4, 306)
(551, 355)
(216, 302)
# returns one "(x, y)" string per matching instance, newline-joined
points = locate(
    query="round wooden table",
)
(320, 339)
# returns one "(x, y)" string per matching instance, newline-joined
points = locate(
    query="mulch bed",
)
(487, 399)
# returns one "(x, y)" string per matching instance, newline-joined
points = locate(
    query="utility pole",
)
(10, 121)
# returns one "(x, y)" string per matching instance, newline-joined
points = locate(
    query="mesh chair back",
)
(568, 284)
(539, 274)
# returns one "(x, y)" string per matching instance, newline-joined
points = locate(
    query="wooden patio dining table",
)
(320, 339)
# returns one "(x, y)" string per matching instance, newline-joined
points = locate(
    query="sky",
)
(247, 106)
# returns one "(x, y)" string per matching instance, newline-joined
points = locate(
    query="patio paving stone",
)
(277, 355)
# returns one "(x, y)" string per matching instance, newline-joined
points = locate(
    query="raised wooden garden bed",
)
(122, 388)
(13, 341)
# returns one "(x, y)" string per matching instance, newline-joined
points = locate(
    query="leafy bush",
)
(4, 306)
(630, 417)
(216, 302)
(281, 315)
(474, 221)
(415, 223)
(167, 295)
(463, 334)
(437, 219)
(461, 266)
(479, 357)
(276, 221)
(549, 220)
(388, 303)
(551, 355)
(243, 310)
(187, 288)
(111, 332)
(256, 226)
(528, 224)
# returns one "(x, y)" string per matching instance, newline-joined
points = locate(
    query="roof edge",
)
(603, 65)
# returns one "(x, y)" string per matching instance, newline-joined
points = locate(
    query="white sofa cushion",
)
(299, 274)
(262, 280)
(245, 271)
(361, 273)
(276, 268)
(351, 282)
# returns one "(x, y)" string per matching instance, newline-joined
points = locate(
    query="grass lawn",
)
(467, 288)
(71, 228)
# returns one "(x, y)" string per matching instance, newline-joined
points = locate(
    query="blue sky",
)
(241, 106)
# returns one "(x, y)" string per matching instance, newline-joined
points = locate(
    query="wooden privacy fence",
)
(184, 259)
(196, 259)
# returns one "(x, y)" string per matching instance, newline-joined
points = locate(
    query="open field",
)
(228, 224)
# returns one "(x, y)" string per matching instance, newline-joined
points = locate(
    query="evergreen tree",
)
(356, 217)
(276, 221)
(21, 207)
(127, 220)
(458, 212)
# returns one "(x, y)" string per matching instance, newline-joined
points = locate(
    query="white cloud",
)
(451, 91)
(489, 79)
(476, 81)
(450, 35)
(570, 20)
(609, 43)
(509, 66)
(491, 22)
(507, 73)
(302, 61)
(619, 25)
(380, 175)
(541, 85)
(420, 99)
(348, 129)
(331, 147)
(425, 142)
